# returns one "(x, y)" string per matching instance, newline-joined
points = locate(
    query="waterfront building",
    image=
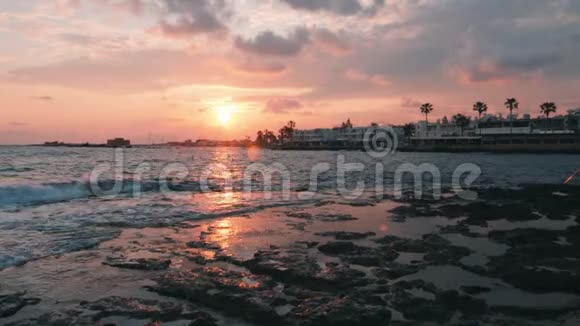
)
(118, 142)
(338, 136)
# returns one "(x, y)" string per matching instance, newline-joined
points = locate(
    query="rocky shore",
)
(512, 257)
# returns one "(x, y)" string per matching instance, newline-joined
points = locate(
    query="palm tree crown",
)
(426, 109)
(462, 121)
(512, 104)
(480, 108)
(548, 108)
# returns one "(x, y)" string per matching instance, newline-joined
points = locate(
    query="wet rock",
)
(93, 313)
(467, 305)
(361, 203)
(414, 210)
(539, 313)
(149, 264)
(440, 308)
(57, 318)
(325, 203)
(339, 312)
(186, 225)
(536, 262)
(337, 248)
(453, 210)
(298, 266)
(358, 255)
(297, 226)
(136, 308)
(435, 240)
(321, 217)
(335, 217)
(307, 244)
(203, 319)
(343, 235)
(474, 289)
(519, 237)
(393, 271)
(234, 293)
(446, 255)
(202, 245)
(437, 250)
(489, 211)
(460, 228)
(300, 215)
(558, 201)
(286, 286)
(10, 304)
(417, 308)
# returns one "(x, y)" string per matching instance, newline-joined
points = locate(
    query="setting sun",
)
(224, 114)
(224, 117)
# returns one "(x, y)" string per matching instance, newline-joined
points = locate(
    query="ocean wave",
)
(17, 169)
(66, 232)
(8, 261)
(40, 194)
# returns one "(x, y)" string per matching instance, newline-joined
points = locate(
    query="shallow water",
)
(51, 221)
(47, 207)
(501, 294)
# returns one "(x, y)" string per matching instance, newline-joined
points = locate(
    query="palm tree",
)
(260, 138)
(269, 138)
(426, 109)
(511, 104)
(409, 130)
(547, 109)
(480, 108)
(462, 121)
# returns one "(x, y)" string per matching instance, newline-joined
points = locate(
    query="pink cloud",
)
(332, 42)
(485, 72)
(261, 67)
(361, 76)
(282, 105)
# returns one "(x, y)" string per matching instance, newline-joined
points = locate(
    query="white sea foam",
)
(17, 195)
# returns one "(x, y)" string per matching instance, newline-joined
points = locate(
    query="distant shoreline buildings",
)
(118, 142)
(114, 143)
(490, 133)
(559, 133)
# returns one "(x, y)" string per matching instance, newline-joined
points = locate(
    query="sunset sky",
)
(88, 70)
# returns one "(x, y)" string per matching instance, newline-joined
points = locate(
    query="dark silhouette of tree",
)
(547, 109)
(462, 121)
(426, 109)
(346, 125)
(271, 138)
(481, 109)
(409, 131)
(512, 104)
(287, 132)
(260, 139)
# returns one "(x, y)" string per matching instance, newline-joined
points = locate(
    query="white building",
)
(441, 129)
(338, 134)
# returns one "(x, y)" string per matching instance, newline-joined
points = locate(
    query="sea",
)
(55, 200)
